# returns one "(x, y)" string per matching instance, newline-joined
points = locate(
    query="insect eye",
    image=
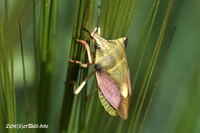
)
(126, 42)
(97, 46)
(97, 67)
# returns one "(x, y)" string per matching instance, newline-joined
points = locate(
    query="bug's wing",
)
(109, 89)
(128, 82)
(111, 92)
(112, 111)
(125, 101)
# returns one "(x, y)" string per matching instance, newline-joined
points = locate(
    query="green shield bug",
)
(112, 73)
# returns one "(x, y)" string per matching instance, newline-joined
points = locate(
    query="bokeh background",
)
(171, 101)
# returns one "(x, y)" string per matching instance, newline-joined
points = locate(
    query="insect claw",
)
(69, 60)
(77, 40)
(72, 61)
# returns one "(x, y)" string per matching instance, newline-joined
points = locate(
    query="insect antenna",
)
(84, 29)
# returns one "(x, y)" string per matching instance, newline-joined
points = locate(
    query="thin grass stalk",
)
(83, 19)
(26, 93)
(7, 92)
(141, 39)
(48, 26)
(155, 9)
(120, 126)
(127, 15)
(187, 120)
(114, 17)
(108, 125)
(89, 100)
(150, 20)
(35, 44)
(156, 82)
(68, 93)
(130, 15)
(73, 122)
(86, 17)
(36, 61)
(94, 125)
(116, 4)
(93, 108)
(151, 67)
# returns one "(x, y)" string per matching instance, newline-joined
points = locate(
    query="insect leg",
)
(85, 65)
(76, 91)
(87, 48)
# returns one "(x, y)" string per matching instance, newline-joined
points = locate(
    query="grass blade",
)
(48, 26)
(7, 92)
(84, 18)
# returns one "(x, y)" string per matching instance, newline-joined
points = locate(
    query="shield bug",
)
(112, 73)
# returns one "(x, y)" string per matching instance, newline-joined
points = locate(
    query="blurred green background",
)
(48, 30)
